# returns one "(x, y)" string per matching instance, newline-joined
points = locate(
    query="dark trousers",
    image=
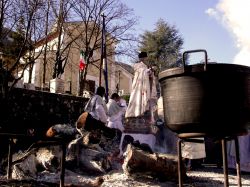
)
(94, 124)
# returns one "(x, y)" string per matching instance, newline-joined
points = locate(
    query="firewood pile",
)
(94, 159)
(90, 153)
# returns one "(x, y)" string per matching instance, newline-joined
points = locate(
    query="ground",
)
(205, 177)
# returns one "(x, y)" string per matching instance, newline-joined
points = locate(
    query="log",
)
(88, 123)
(161, 166)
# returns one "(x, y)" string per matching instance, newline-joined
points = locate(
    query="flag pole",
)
(101, 62)
(104, 58)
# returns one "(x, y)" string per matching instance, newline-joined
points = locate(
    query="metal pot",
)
(213, 99)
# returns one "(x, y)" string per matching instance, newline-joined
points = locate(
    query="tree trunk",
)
(46, 44)
(80, 91)
(162, 166)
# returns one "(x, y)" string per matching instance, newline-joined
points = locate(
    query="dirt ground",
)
(206, 177)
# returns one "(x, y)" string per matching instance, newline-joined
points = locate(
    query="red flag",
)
(82, 63)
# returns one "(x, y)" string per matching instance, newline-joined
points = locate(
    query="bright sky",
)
(222, 27)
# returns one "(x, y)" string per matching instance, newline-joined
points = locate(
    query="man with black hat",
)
(143, 90)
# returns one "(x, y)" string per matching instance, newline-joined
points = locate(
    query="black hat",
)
(143, 54)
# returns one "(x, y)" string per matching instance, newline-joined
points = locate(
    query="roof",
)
(50, 37)
(54, 34)
(127, 67)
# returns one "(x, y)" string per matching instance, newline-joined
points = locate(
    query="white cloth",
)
(115, 113)
(113, 108)
(160, 109)
(244, 149)
(115, 122)
(123, 104)
(97, 107)
(193, 150)
(141, 92)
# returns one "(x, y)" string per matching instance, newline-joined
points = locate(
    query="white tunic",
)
(192, 150)
(141, 92)
(115, 113)
(96, 106)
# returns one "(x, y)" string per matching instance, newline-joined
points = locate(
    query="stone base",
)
(140, 125)
(29, 86)
(57, 85)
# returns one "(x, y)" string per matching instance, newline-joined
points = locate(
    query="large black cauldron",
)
(213, 99)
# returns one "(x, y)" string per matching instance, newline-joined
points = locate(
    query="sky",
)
(221, 27)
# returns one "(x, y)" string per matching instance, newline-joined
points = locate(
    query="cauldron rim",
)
(198, 68)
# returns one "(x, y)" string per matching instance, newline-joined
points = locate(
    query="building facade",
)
(119, 75)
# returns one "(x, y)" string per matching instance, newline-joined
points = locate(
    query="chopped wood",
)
(162, 166)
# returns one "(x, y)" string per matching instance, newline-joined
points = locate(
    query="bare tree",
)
(17, 18)
(61, 18)
(26, 20)
(18, 30)
(119, 22)
(5, 17)
(7, 22)
(30, 15)
(47, 10)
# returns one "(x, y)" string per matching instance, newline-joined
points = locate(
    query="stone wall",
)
(30, 109)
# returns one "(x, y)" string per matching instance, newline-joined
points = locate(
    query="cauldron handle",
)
(194, 51)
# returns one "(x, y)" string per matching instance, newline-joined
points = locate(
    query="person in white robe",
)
(123, 104)
(115, 112)
(97, 107)
(143, 97)
(139, 117)
(166, 140)
(192, 150)
(94, 118)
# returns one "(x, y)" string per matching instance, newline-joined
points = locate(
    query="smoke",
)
(235, 16)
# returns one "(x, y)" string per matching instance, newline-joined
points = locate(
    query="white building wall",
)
(34, 75)
(130, 80)
(113, 78)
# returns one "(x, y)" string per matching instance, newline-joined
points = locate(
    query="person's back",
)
(140, 94)
(97, 106)
(124, 106)
(115, 112)
(95, 116)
